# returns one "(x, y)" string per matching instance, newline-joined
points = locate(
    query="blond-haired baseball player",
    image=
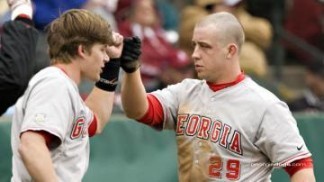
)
(52, 123)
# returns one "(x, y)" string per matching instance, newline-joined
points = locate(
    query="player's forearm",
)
(304, 175)
(36, 157)
(133, 95)
(101, 103)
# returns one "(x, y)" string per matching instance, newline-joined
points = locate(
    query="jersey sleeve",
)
(48, 108)
(278, 136)
(170, 99)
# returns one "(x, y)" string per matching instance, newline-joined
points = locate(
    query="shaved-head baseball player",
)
(52, 124)
(228, 128)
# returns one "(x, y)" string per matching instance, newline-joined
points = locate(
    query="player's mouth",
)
(198, 67)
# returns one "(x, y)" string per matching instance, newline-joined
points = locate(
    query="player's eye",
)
(203, 45)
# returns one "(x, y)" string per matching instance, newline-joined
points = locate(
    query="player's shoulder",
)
(50, 75)
(189, 83)
(259, 92)
(192, 81)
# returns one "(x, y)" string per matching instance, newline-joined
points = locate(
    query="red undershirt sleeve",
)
(93, 126)
(299, 165)
(154, 114)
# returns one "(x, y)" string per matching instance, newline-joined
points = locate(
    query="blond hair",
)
(73, 28)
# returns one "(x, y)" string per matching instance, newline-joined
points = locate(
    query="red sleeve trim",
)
(297, 165)
(154, 114)
(93, 126)
(49, 138)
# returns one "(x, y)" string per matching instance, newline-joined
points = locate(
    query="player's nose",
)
(195, 54)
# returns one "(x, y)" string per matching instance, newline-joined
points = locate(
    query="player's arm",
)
(101, 98)
(133, 92)
(101, 103)
(36, 157)
(304, 175)
(301, 170)
(133, 95)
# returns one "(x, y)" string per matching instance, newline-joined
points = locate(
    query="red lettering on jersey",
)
(235, 144)
(204, 128)
(216, 131)
(181, 119)
(193, 124)
(77, 129)
(226, 131)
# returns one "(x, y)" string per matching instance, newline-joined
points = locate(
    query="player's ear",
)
(81, 50)
(232, 49)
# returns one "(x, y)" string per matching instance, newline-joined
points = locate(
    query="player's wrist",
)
(131, 68)
(109, 77)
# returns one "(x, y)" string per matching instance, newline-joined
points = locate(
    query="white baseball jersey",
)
(52, 103)
(239, 133)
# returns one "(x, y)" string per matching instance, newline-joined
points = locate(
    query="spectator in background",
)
(305, 19)
(161, 62)
(105, 9)
(313, 97)
(47, 11)
(258, 32)
(17, 53)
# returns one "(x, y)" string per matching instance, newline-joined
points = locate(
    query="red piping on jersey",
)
(93, 126)
(299, 165)
(154, 114)
(216, 87)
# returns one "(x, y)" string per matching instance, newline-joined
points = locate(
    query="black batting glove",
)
(130, 54)
(109, 77)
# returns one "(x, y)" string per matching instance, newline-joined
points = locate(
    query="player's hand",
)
(115, 50)
(130, 54)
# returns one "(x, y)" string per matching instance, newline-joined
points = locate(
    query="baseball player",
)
(17, 53)
(52, 124)
(228, 128)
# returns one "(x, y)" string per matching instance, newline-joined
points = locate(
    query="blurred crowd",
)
(165, 28)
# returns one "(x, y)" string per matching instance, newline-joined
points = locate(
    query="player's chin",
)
(95, 78)
(200, 75)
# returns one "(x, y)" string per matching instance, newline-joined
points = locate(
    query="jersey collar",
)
(216, 87)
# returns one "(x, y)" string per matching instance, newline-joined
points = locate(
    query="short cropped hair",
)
(227, 25)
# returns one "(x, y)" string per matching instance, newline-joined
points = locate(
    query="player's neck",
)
(219, 86)
(71, 70)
